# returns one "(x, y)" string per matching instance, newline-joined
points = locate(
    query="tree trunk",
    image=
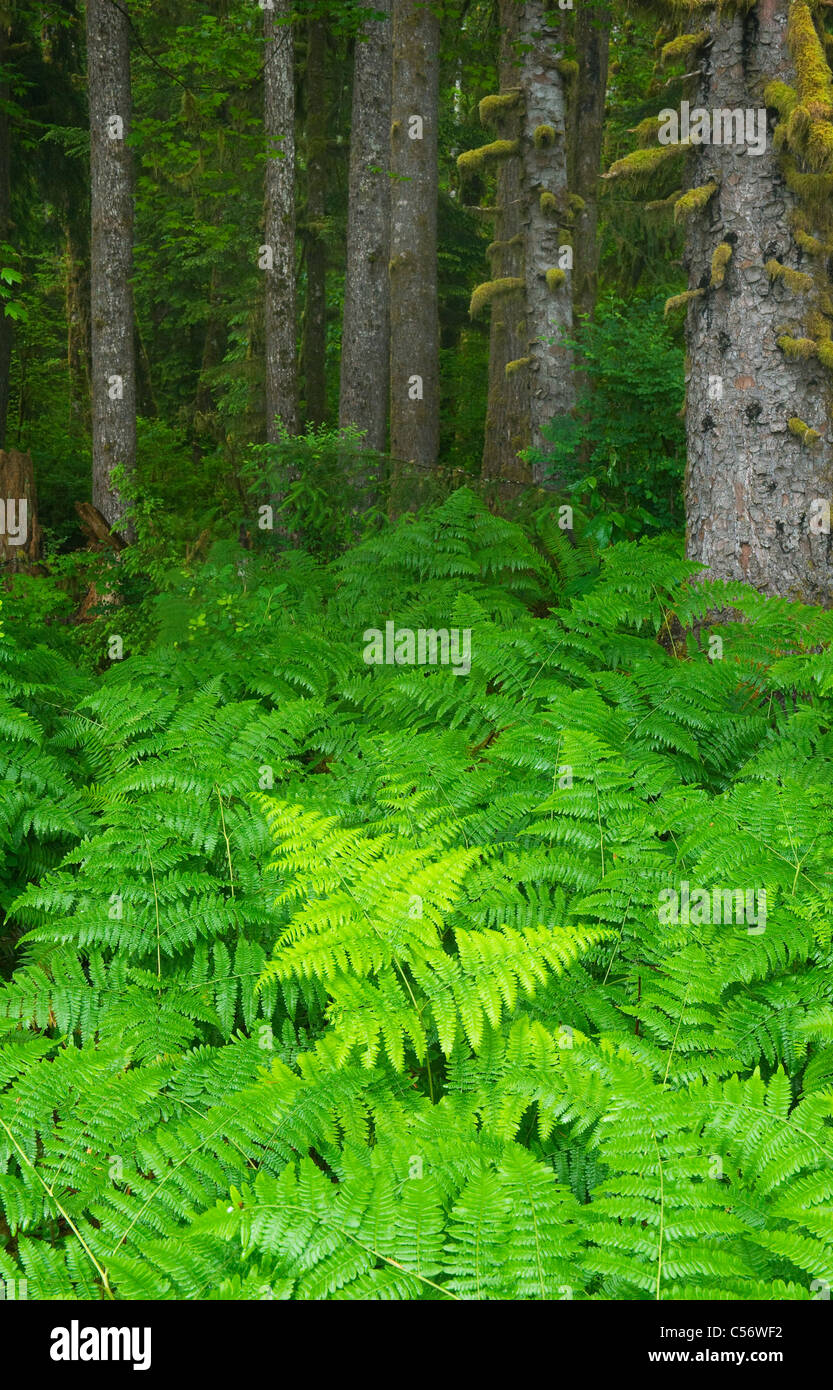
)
(592, 49)
(279, 253)
(315, 311)
(111, 252)
(414, 348)
(6, 324)
(548, 282)
(760, 457)
(20, 533)
(77, 297)
(507, 411)
(365, 339)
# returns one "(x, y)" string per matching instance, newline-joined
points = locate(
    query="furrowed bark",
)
(111, 252)
(279, 225)
(365, 340)
(315, 310)
(753, 478)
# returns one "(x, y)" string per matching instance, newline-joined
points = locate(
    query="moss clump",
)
(517, 366)
(694, 200)
(568, 67)
(679, 301)
(543, 136)
(815, 84)
(824, 352)
(492, 108)
(683, 48)
(473, 161)
(646, 132)
(576, 203)
(798, 126)
(504, 245)
(819, 145)
(548, 203)
(797, 348)
(794, 280)
(555, 278)
(720, 259)
(492, 289)
(814, 190)
(781, 98)
(807, 435)
(664, 204)
(810, 245)
(642, 165)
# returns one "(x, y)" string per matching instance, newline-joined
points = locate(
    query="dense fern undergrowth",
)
(332, 980)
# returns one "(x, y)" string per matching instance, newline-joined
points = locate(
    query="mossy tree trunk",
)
(544, 157)
(279, 222)
(760, 456)
(592, 51)
(507, 412)
(365, 341)
(315, 245)
(414, 343)
(6, 324)
(111, 252)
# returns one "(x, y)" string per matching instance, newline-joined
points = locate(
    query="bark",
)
(279, 316)
(592, 50)
(315, 312)
(414, 348)
(111, 252)
(508, 406)
(19, 544)
(750, 480)
(77, 297)
(365, 339)
(544, 156)
(6, 324)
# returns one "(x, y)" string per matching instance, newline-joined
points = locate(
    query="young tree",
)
(111, 252)
(278, 254)
(414, 346)
(365, 338)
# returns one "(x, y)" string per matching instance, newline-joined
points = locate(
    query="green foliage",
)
(623, 453)
(349, 981)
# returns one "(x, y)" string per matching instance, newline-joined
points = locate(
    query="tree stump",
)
(20, 532)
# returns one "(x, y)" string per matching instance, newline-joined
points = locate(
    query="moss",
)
(781, 98)
(678, 301)
(641, 165)
(646, 132)
(819, 145)
(555, 278)
(494, 246)
(493, 108)
(543, 136)
(472, 161)
(664, 204)
(814, 81)
(517, 366)
(576, 203)
(548, 203)
(807, 435)
(814, 190)
(683, 48)
(492, 289)
(810, 245)
(794, 280)
(720, 259)
(568, 67)
(824, 352)
(798, 126)
(797, 348)
(694, 200)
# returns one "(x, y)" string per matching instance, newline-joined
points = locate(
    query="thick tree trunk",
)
(592, 50)
(6, 324)
(365, 339)
(20, 532)
(508, 406)
(111, 252)
(279, 255)
(77, 297)
(544, 155)
(315, 310)
(754, 480)
(414, 349)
